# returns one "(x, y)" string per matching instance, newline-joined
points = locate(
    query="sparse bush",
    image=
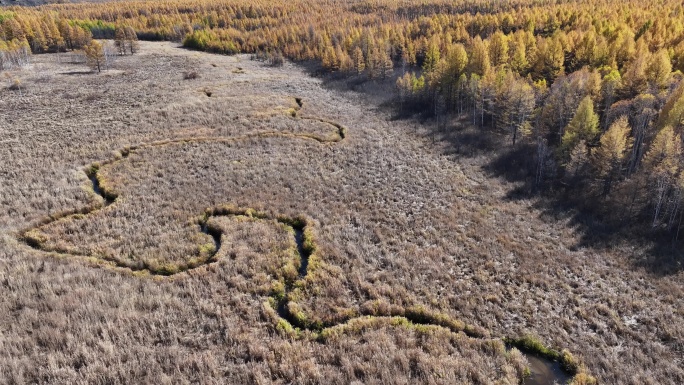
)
(277, 60)
(16, 85)
(206, 250)
(272, 58)
(189, 75)
(582, 378)
(520, 363)
(532, 344)
(285, 328)
(568, 361)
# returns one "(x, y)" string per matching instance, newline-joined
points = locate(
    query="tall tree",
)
(358, 60)
(385, 64)
(498, 49)
(664, 163)
(611, 83)
(514, 105)
(583, 126)
(672, 113)
(455, 63)
(562, 101)
(634, 80)
(550, 59)
(518, 55)
(609, 157)
(329, 60)
(658, 69)
(644, 111)
(120, 39)
(478, 62)
(432, 56)
(131, 39)
(95, 56)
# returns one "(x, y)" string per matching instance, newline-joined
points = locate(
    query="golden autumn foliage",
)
(522, 67)
(570, 94)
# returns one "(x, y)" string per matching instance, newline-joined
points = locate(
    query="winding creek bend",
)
(543, 370)
(31, 237)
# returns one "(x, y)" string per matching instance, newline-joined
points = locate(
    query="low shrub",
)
(189, 75)
(16, 85)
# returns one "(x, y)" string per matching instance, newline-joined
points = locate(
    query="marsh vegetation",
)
(187, 217)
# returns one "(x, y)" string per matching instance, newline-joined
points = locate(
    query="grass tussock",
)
(190, 75)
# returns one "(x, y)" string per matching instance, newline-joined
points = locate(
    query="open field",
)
(401, 229)
(33, 3)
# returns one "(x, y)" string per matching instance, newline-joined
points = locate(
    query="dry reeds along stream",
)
(542, 370)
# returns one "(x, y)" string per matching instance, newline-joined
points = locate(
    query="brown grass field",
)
(420, 265)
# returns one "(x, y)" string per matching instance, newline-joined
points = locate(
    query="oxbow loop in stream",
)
(543, 370)
(110, 197)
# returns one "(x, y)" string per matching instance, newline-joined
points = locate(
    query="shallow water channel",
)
(544, 372)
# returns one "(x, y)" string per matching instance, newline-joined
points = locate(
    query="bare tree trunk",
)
(661, 196)
(541, 155)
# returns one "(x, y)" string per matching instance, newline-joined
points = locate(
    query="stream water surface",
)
(544, 372)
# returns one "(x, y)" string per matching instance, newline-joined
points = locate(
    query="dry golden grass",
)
(401, 229)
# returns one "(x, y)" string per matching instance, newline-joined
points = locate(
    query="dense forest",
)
(587, 93)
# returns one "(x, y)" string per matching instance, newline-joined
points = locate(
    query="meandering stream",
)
(543, 371)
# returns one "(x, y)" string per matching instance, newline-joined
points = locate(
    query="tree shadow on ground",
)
(456, 136)
(600, 229)
(74, 73)
(603, 224)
